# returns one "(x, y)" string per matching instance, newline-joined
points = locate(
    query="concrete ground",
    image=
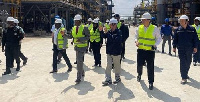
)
(34, 83)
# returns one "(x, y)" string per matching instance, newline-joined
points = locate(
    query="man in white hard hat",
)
(96, 43)
(80, 35)
(11, 41)
(196, 56)
(125, 34)
(90, 26)
(60, 44)
(186, 41)
(21, 55)
(113, 51)
(147, 38)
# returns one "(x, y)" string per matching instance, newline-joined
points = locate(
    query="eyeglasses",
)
(113, 24)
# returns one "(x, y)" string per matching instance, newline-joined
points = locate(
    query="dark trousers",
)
(96, 46)
(55, 55)
(148, 56)
(12, 52)
(166, 38)
(185, 56)
(196, 56)
(123, 49)
(21, 55)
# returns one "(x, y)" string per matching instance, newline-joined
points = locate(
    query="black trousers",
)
(55, 55)
(21, 55)
(148, 56)
(185, 56)
(12, 52)
(96, 47)
(123, 49)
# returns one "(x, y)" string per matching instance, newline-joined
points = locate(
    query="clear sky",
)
(125, 7)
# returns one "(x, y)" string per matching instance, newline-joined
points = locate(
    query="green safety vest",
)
(107, 26)
(61, 39)
(94, 35)
(79, 35)
(146, 39)
(119, 25)
(198, 31)
(100, 23)
(89, 26)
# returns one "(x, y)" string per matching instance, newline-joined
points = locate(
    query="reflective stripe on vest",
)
(90, 26)
(198, 31)
(119, 25)
(94, 35)
(146, 39)
(61, 39)
(78, 35)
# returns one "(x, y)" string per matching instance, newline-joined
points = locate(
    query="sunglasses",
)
(113, 24)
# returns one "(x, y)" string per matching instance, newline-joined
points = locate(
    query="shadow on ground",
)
(124, 93)
(84, 87)
(160, 95)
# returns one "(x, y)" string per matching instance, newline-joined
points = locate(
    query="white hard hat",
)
(107, 21)
(121, 19)
(197, 18)
(16, 21)
(58, 21)
(146, 16)
(184, 17)
(10, 19)
(95, 21)
(90, 19)
(113, 20)
(97, 18)
(77, 17)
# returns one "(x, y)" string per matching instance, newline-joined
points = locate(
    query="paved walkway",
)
(34, 83)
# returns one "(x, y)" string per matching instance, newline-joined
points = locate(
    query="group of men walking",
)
(11, 44)
(147, 38)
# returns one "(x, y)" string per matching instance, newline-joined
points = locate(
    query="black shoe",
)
(53, 71)
(99, 65)
(25, 61)
(75, 62)
(18, 69)
(150, 86)
(69, 70)
(123, 57)
(108, 82)
(7, 72)
(170, 54)
(195, 64)
(78, 81)
(117, 81)
(138, 78)
(95, 65)
(58, 61)
(163, 51)
(184, 81)
(188, 77)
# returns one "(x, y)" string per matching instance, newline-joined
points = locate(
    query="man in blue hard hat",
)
(166, 33)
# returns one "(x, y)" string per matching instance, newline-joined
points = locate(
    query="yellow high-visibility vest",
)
(61, 39)
(79, 35)
(197, 30)
(146, 39)
(107, 26)
(94, 35)
(119, 25)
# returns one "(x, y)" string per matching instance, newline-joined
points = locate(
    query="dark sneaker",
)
(107, 82)
(95, 65)
(117, 81)
(170, 54)
(7, 72)
(75, 62)
(195, 64)
(150, 86)
(18, 69)
(53, 71)
(25, 61)
(99, 65)
(78, 81)
(138, 78)
(69, 70)
(184, 81)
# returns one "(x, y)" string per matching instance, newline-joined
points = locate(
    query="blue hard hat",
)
(57, 16)
(153, 18)
(166, 19)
